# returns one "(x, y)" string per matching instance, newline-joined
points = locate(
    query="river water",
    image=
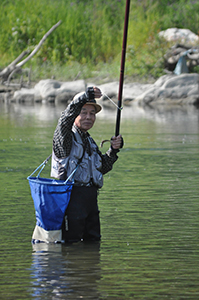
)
(148, 206)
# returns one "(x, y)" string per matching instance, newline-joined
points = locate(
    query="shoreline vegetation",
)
(88, 43)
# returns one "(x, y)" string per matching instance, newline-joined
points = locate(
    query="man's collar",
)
(85, 134)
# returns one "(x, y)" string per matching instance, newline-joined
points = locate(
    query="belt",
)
(89, 184)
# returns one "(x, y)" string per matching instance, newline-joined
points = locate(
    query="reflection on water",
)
(65, 271)
(50, 112)
(148, 207)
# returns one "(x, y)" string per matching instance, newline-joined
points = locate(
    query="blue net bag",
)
(51, 198)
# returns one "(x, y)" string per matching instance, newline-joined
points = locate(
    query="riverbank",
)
(90, 35)
(168, 89)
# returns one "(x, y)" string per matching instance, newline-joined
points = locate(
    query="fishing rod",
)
(119, 104)
(117, 128)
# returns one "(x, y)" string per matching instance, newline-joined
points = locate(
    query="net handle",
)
(42, 166)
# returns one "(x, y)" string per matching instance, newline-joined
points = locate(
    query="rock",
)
(185, 57)
(26, 95)
(168, 89)
(49, 89)
(130, 91)
(180, 35)
(172, 89)
(64, 97)
(110, 89)
(184, 48)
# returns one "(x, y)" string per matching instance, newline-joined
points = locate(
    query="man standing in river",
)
(73, 145)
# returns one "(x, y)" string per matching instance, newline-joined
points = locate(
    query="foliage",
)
(86, 32)
(91, 33)
(180, 14)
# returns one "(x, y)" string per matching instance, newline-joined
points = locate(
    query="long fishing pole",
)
(117, 128)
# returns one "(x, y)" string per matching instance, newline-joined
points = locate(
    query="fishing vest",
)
(88, 171)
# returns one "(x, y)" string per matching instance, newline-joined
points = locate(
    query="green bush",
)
(89, 31)
(90, 35)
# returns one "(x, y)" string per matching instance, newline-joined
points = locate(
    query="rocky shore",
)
(169, 89)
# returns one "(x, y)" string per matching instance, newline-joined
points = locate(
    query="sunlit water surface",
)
(149, 210)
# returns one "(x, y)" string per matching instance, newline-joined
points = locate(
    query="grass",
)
(89, 41)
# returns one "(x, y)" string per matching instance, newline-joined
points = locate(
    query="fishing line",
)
(120, 108)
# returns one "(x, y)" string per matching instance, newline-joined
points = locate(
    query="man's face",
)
(86, 118)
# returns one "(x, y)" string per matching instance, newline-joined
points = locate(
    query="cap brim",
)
(96, 105)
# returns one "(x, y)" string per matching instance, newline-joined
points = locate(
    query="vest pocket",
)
(83, 173)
